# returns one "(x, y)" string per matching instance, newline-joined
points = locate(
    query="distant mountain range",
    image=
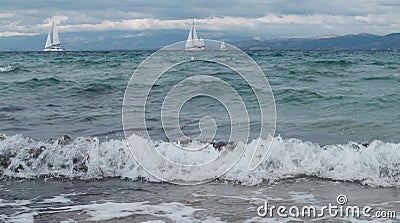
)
(151, 40)
(110, 40)
(363, 41)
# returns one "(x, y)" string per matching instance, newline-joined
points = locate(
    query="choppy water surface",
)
(325, 97)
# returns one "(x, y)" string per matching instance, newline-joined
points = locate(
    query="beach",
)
(115, 200)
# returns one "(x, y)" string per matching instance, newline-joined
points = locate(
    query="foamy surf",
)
(173, 211)
(376, 164)
(7, 68)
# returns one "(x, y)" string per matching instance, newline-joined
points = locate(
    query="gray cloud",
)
(283, 18)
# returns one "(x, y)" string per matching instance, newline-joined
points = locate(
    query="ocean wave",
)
(333, 62)
(8, 68)
(40, 82)
(77, 88)
(95, 88)
(11, 108)
(303, 95)
(373, 164)
(381, 78)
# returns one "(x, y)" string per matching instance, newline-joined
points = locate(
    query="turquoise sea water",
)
(325, 97)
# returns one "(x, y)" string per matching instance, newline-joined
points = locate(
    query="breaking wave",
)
(8, 68)
(374, 164)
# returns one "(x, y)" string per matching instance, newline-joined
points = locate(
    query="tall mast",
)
(56, 39)
(192, 29)
(52, 33)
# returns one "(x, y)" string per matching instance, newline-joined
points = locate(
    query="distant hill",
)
(363, 41)
(153, 39)
(108, 40)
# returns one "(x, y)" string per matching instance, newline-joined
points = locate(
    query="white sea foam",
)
(272, 220)
(24, 214)
(174, 211)
(86, 158)
(6, 68)
(303, 197)
(63, 198)
(20, 217)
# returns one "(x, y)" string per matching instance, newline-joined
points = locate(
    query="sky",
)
(258, 19)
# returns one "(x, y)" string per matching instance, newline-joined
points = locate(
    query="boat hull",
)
(195, 49)
(53, 49)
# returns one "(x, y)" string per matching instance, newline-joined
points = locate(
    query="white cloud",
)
(361, 18)
(285, 18)
(8, 34)
(57, 19)
(6, 15)
(224, 23)
(132, 35)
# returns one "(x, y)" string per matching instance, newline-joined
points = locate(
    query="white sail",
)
(189, 41)
(222, 45)
(48, 41)
(53, 41)
(56, 39)
(201, 42)
(194, 36)
(193, 42)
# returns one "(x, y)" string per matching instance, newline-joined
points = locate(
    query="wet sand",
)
(116, 200)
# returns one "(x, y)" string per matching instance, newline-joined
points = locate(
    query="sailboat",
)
(53, 41)
(193, 43)
(222, 47)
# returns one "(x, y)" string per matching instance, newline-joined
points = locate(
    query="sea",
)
(64, 156)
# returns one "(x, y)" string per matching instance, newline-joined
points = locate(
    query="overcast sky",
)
(256, 18)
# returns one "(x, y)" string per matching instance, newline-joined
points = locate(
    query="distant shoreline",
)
(152, 50)
(351, 42)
